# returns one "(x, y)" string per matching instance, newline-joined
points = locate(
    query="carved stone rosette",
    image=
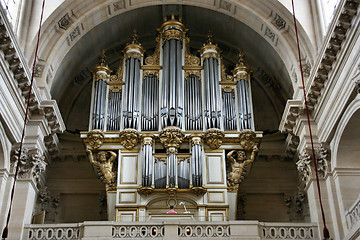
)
(247, 139)
(171, 137)
(96, 138)
(129, 138)
(213, 138)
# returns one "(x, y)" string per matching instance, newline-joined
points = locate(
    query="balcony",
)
(173, 230)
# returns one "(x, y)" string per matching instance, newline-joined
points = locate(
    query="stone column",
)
(31, 166)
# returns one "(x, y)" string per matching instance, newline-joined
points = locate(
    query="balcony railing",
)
(172, 230)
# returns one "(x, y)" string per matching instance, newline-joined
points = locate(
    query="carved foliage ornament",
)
(96, 138)
(213, 137)
(171, 137)
(247, 139)
(31, 165)
(172, 34)
(129, 138)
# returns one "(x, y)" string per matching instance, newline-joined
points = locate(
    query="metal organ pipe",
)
(133, 54)
(196, 160)
(212, 92)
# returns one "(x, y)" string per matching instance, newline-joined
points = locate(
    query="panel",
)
(127, 197)
(216, 197)
(214, 169)
(128, 169)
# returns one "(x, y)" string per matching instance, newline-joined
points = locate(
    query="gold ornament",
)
(171, 137)
(105, 167)
(96, 138)
(247, 139)
(236, 173)
(213, 137)
(129, 138)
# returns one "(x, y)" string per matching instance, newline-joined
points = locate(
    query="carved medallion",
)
(129, 138)
(96, 138)
(171, 137)
(213, 137)
(247, 139)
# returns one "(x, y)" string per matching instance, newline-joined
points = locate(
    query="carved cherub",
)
(104, 164)
(237, 166)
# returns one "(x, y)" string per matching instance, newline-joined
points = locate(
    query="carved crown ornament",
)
(210, 50)
(172, 29)
(213, 137)
(134, 49)
(129, 138)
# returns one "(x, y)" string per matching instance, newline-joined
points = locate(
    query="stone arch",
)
(345, 159)
(348, 132)
(56, 42)
(5, 149)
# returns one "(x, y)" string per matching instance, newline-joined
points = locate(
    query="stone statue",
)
(105, 165)
(235, 175)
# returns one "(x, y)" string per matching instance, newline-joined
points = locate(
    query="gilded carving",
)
(96, 138)
(236, 171)
(152, 63)
(145, 190)
(213, 137)
(105, 167)
(241, 70)
(171, 137)
(101, 71)
(198, 190)
(133, 55)
(195, 141)
(148, 141)
(129, 138)
(115, 83)
(172, 34)
(210, 55)
(134, 45)
(247, 139)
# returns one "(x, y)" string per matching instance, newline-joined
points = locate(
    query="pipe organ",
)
(169, 116)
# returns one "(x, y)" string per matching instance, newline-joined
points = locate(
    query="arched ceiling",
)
(72, 59)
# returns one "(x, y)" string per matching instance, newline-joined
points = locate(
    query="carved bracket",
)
(129, 138)
(213, 138)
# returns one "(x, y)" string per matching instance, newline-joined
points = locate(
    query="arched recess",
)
(346, 156)
(260, 15)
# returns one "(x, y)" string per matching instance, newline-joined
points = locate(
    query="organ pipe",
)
(172, 33)
(212, 112)
(148, 162)
(101, 74)
(242, 76)
(133, 55)
(196, 162)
